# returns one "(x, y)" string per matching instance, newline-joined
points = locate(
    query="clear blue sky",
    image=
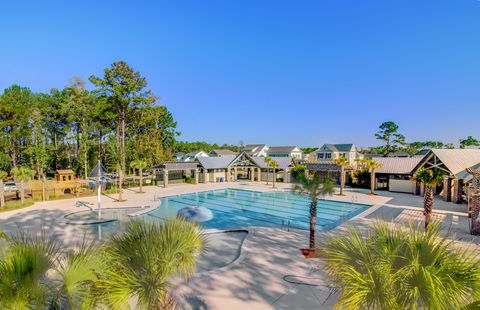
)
(277, 72)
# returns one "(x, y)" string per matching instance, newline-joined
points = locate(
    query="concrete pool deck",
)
(254, 280)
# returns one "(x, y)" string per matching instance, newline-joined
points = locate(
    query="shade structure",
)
(195, 214)
(97, 171)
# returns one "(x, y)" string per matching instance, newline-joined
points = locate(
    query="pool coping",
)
(102, 221)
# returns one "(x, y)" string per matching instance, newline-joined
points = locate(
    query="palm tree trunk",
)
(2, 194)
(428, 205)
(141, 179)
(274, 177)
(313, 222)
(342, 179)
(268, 173)
(372, 182)
(475, 214)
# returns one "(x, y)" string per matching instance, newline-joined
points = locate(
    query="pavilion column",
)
(307, 173)
(165, 178)
(205, 175)
(447, 188)
(227, 175)
(457, 191)
(235, 173)
(285, 177)
(259, 174)
(252, 174)
(197, 171)
(416, 189)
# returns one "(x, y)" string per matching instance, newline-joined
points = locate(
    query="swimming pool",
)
(243, 208)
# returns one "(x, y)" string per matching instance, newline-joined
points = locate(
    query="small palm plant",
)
(140, 261)
(3, 175)
(267, 160)
(315, 188)
(35, 275)
(274, 165)
(430, 178)
(140, 165)
(23, 266)
(372, 166)
(343, 163)
(394, 268)
(23, 174)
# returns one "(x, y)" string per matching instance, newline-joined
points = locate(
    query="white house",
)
(256, 150)
(192, 156)
(330, 152)
(285, 151)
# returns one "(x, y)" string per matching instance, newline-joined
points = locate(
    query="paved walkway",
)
(270, 259)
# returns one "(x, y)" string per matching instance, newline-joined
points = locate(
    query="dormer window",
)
(328, 155)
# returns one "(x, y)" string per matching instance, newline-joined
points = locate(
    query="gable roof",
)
(397, 165)
(455, 160)
(339, 147)
(283, 162)
(281, 149)
(222, 152)
(218, 162)
(252, 147)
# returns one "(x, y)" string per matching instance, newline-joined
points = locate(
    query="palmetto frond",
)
(429, 177)
(23, 268)
(314, 187)
(397, 268)
(140, 261)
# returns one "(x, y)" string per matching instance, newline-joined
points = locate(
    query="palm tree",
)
(3, 175)
(35, 275)
(274, 164)
(23, 174)
(391, 268)
(23, 266)
(315, 189)
(140, 165)
(140, 261)
(76, 275)
(267, 160)
(343, 162)
(430, 178)
(372, 166)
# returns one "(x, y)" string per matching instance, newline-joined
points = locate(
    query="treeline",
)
(187, 147)
(394, 142)
(117, 122)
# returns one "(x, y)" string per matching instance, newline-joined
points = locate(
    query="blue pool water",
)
(242, 208)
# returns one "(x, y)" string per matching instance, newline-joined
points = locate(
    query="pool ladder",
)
(286, 226)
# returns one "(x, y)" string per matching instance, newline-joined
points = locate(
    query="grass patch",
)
(16, 204)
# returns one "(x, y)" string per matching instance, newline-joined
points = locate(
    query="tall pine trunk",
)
(122, 154)
(313, 222)
(22, 192)
(428, 205)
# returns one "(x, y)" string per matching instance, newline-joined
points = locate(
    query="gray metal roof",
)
(397, 165)
(222, 152)
(217, 162)
(251, 147)
(281, 149)
(283, 162)
(339, 147)
(458, 160)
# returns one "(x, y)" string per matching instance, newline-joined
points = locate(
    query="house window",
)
(328, 155)
(320, 155)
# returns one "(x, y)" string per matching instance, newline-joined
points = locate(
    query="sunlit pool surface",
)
(234, 208)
